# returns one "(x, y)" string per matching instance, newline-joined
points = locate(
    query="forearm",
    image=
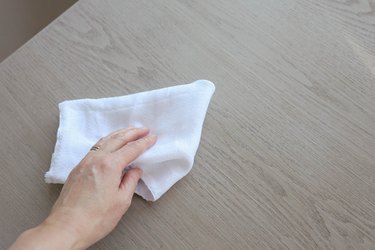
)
(48, 236)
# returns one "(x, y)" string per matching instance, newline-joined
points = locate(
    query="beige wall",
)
(22, 19)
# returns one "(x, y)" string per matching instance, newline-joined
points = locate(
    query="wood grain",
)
(287, 156)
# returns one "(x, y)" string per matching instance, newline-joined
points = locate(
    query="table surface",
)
(287, 155)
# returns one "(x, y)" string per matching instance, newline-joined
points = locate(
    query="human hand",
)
(96, 193)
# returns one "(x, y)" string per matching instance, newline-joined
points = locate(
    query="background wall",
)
(22, 19)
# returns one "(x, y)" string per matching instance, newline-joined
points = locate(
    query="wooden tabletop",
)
(287, 156)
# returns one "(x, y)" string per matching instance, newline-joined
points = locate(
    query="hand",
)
(96, 194)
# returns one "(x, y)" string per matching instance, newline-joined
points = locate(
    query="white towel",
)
(174, 114)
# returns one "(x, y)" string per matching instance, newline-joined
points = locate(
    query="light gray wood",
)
(287, 156)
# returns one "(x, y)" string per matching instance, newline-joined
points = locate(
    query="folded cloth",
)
(174, 114)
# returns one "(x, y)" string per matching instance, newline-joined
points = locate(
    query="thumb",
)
(129, 182)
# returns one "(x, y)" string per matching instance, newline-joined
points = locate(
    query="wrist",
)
(65, 230)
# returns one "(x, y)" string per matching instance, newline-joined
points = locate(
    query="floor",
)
(22, 19)
(287, 155)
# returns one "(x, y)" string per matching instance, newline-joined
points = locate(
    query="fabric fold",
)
(175, 114)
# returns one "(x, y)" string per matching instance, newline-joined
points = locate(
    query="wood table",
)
(287, 155)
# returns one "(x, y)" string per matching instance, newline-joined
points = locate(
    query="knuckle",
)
(130, 129)
(127, 202)
(136, 144)
(115, 136)
(90, 158)
(119, 136)
(106, 162)
(86, 161)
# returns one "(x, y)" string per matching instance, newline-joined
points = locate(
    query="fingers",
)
(129, 182)
(119, 138)
(128, 153)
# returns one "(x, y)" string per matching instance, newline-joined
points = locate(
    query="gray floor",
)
(287, 157)
(22, 19)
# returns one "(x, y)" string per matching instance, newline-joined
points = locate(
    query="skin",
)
(95, 196)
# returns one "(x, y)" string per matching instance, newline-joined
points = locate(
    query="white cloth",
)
(174, 114)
